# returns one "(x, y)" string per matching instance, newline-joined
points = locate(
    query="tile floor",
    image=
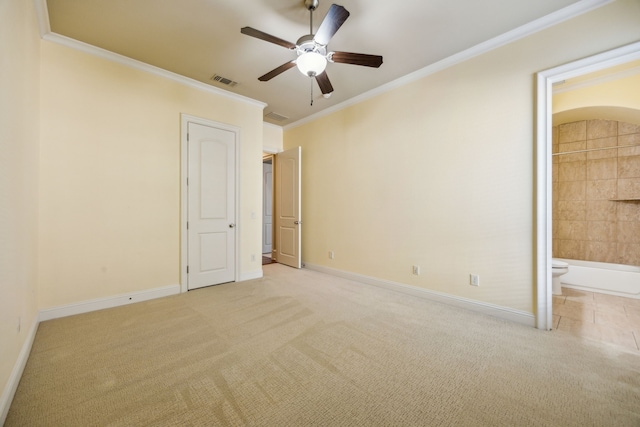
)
(606, 318)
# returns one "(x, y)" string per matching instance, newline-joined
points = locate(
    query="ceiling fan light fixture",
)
(312, 49)
(311, 63)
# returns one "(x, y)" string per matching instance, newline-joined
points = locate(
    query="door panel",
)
(288, 239)
(211, 206)
(213, 254)
(288, 179)
(288, 208)
(213, 179)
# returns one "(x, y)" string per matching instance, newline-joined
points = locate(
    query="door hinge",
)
(187, 180)
(187, 269)
(187, 225)
(187, 136)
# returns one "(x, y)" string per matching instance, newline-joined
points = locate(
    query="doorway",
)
(285, 195)
(267, 209)
(209, 207)
(545, 81)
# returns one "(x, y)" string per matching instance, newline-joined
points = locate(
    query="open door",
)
(287, 214)
(267, 206)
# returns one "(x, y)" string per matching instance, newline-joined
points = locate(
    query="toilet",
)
(558, 268)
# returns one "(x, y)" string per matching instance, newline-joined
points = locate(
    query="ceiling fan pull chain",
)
(311, 80)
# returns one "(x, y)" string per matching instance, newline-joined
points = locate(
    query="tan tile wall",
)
(587, 224)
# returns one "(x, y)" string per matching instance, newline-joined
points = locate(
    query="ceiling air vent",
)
(275, 116)
(223, 80)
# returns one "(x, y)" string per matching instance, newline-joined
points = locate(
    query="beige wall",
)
(19, 69)
(587, 223)
(272, 138)
(618, 99)
(621, 92)
(110, 176)
(440, 173)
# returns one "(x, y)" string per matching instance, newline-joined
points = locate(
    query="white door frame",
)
(270, 158)
(273, 153)
(544, 113)
(184, 171)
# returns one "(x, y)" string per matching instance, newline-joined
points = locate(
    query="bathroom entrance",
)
(548, 186)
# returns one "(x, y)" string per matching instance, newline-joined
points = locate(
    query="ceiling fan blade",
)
(324, 83)
(331, 23)
(281, 69)
(266, 37)
(357, 59)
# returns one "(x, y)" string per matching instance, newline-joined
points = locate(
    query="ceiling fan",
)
(312, 48)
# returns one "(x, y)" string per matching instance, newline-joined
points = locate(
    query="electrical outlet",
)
(331, 255)
(474, 280)
(416, 270)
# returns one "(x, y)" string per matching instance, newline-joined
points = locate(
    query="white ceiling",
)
(200, 38)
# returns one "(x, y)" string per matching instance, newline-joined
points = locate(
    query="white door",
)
(267, 207)
(288, 208)
(211, 206)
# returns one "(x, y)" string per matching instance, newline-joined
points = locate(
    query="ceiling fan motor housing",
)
(308, 44)
(311, 4)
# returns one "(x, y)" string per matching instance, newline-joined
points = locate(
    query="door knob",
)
(231, 225)
(297, 222)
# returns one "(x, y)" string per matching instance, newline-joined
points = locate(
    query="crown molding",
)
(272, 125)
(555, 18)
(46, 34)
(569, 12)
(105, 54)
(42, 13)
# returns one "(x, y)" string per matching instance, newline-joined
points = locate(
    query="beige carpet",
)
(299, 348)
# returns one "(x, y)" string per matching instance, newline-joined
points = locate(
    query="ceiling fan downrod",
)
(311, 5)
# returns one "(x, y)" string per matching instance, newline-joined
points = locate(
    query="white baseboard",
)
(108, 302)
(498, 311)
(251, 275)
(68, 310)
(14, 379)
